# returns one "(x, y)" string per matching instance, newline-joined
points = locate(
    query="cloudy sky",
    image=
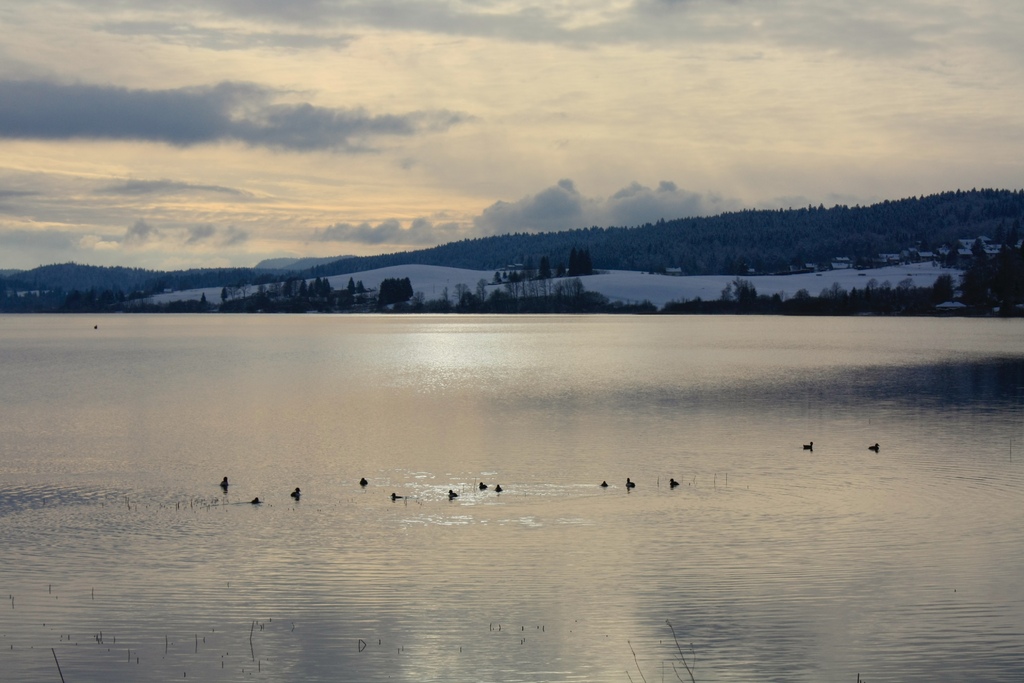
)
(221, 132)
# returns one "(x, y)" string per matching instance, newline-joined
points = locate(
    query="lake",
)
(122, 558)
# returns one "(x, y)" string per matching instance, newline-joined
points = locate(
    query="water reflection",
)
(774, 562)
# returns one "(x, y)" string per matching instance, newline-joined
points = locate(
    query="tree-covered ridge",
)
(765, 241)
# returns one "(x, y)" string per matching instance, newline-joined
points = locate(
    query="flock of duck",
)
(630, 484)
(297, 493)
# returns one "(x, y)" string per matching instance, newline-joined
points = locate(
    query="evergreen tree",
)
(545, 268)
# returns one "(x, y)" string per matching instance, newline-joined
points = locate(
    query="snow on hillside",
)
(627, 286)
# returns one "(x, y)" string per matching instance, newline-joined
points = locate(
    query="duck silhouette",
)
(395, 496)
(224, 483)
(483, 486)
(629, 484)
(296, 494)
(603, 484)
(809, 446)
(452, 494)
(256, 501)
(874, 448)
(498, 489)
(363, 482)
(673, 483)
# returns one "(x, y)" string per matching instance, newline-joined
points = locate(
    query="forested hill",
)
(733, 243)
(763, 240)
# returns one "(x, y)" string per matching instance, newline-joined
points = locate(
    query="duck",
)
(874, 448)
(630, 484)
(363, 482)
(483, 486)
(296, 494)
(498, 489)
(224, 483)
(673, 483)
(809, 446)
(395, 496)
(256, 501)
(603, 484)
(452, 494)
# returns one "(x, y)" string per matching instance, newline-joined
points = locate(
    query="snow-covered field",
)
(627, 286)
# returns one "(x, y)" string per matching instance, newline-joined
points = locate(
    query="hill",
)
(738, 242)
(744, 243)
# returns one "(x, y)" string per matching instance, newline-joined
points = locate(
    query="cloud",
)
(227, 112)
(8, 206)
(49, 240)
(144, 187)
(235, 237)
(636, 204)
(200, 233)
(206, 232)
(556, 208)
(140, 233)
(221, 39)
(562, 207)
(871, 29)
(98, 243)
(5, 194)
(191, 235)
(421, 232)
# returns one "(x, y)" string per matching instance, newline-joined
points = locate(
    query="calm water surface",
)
(122, 556)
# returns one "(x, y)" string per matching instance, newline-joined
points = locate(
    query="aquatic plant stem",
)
(636, 662)
(58, 665)
(681, 655)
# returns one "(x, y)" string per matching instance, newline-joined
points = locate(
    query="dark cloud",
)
(206, 233)
(421, 232)
(200, 233)
(562, 207)
(140, 233)
(557, 208)
(8, 206)
(235, 236)
(227, 112)
(382, 233)
(164, 187)
(7, 194)
(636, 204)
